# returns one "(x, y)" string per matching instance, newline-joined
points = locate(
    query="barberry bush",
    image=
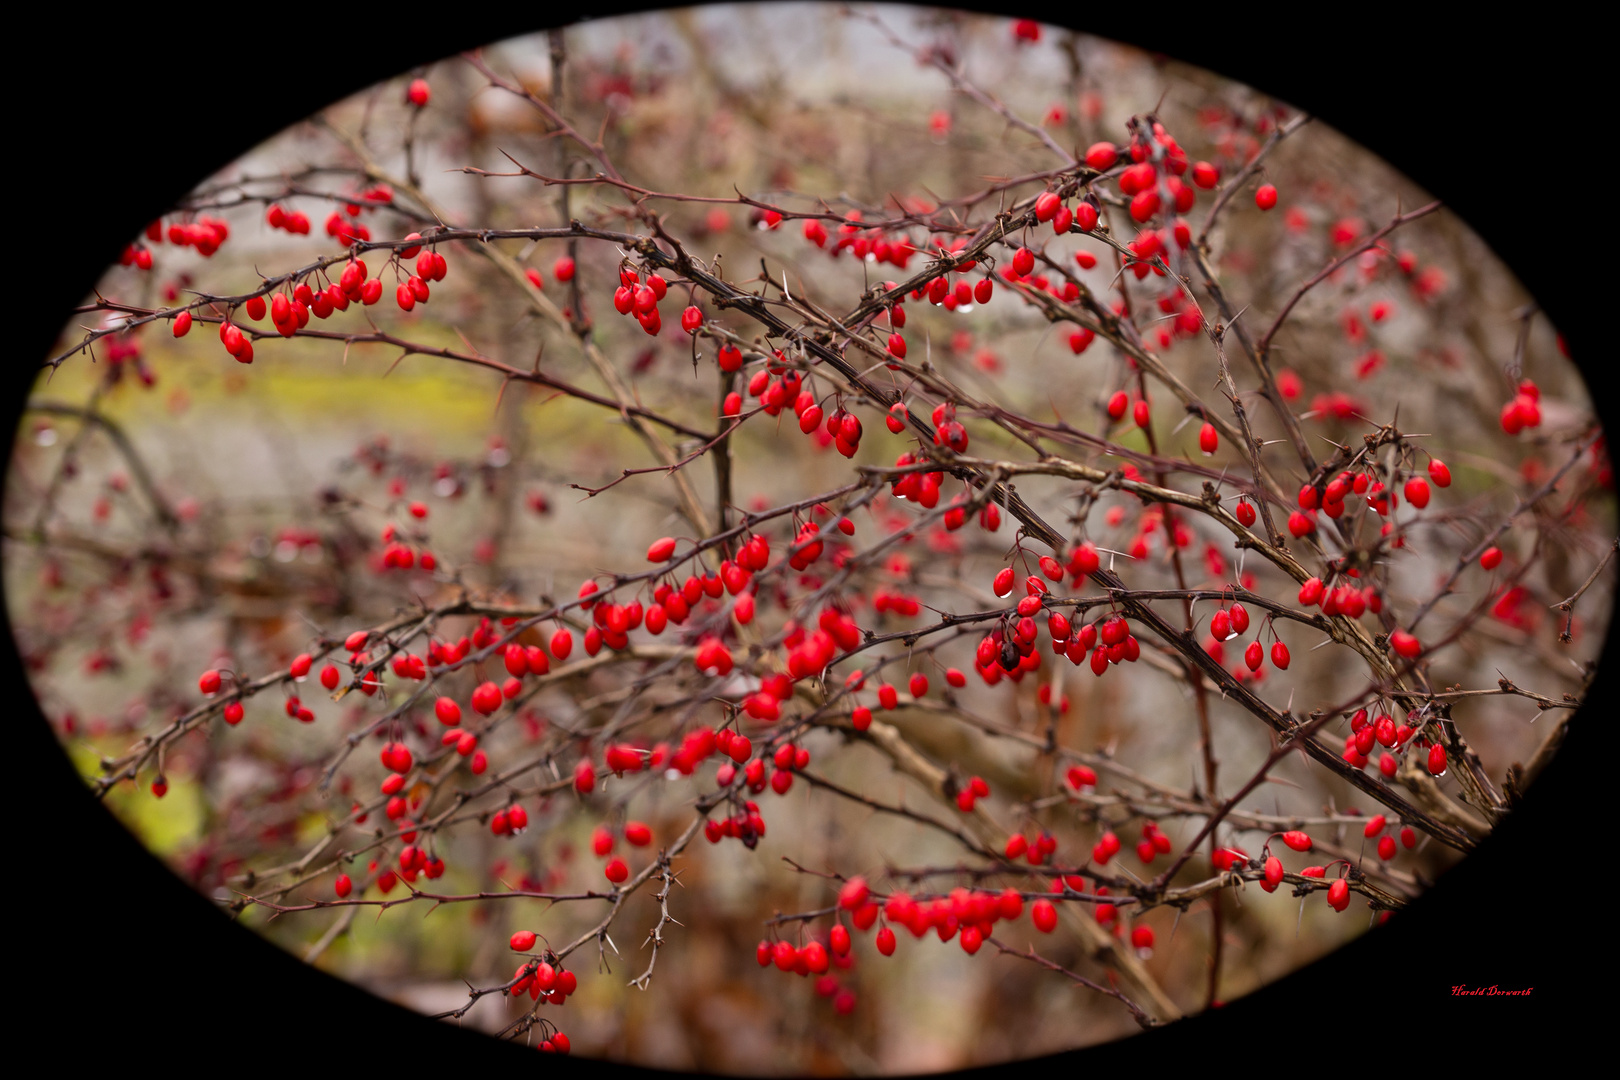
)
(1050, 522)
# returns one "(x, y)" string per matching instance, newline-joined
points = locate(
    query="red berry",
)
(616, 870)
(418, 93)
(1437, 760)
(1339, 895)
(1266, 197)
(486, 698)
(885, 941)
(1274, 871)
(1310, 593)
(1208, 438)
(1491, 558)
(1439, 473)
(1417, 492)
(1101, 156)
(562, 643)
(1279, 656)
(1044, 916)
(1144, 204)
(1405, 644)
(1244, 513)
(523, 940)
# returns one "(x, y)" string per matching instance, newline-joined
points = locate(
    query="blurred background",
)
(260, 553)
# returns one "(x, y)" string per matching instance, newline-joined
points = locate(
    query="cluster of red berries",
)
(206, 234)
(869, 245)
(919, 487)
(1153, 844)
(1397, 738)
(295, 222)
(969, 915)
(1036, 851)
(1524, 411)
(640, 299)
(809, 652)
(816, 958)
(138, 256)
(510, 821)
(413, 862)
(636, 833)
(539, 978)
(948, 430)
(886, 599)
(346, 230)
(1022, 273)
(397, 555)
(843, 429)
(430, 266)
(765, 705)
(1141, 412)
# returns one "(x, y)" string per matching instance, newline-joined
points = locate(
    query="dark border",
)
(136, 111)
